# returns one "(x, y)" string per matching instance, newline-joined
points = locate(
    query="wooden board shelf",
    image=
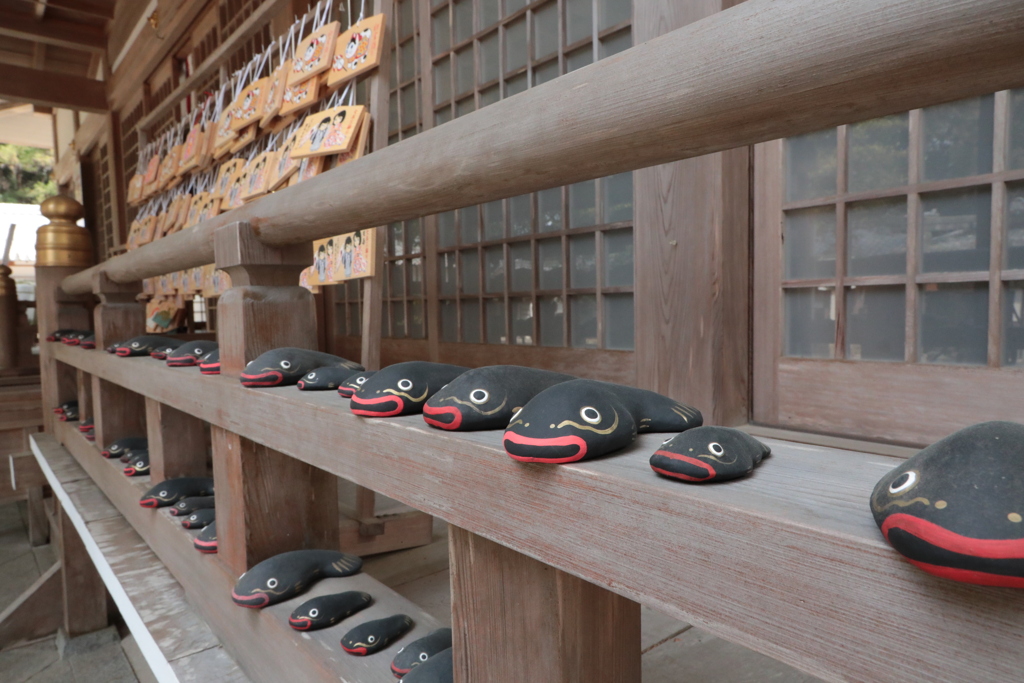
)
(787, 562)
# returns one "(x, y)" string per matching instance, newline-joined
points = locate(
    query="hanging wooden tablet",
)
(152, 168)
(148, 227)
(225, 135)
(331, 131)
(360, 146)
(276, 84)
(249, 104)
(358, 51)
(245, 136)
(313, 55)
(346, 257)
(194, 207)
(227, 170)
(299, 96)
(285, 165)
(135, 189)
(279, 123)
(133, 236)
(309, 167)
(190, 150)
(168, 166)
(232, 198)
(210, 208)
(259, 174)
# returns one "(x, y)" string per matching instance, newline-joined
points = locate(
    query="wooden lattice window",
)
(404, 118)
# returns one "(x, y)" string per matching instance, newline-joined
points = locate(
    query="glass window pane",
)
(441, 32)
(471, 321)
(876, 234)
(810, 322)
(409, 104)
(513, 6)
(552, 313)
(583, 321)
(489, 13)
(396, 240)
(464, 70)
(1015, 226)
(579, 20)
(878, 153)
(416, 277)
(446, 229)
(549, 254)
(957, 138)
(875, 318)
(469, 222)
(447, 272)
(612, 12)
(442, 81)
(397, 271)
(449, 322)
(545, 30)
(519, 217)
(583, 204)
(407, 60)
(417, 320)
(496, 321)
(494, 259)
(463, 19)
(618, 321)
(405, 18)
(1016, 158)
(955, 230)
(810, 243)
(469, 261)
(489, 67)
(618, 258)
(811, 165)
(466, 106)
(393, 123)
(521, 257)
(583, 262)
(549, 209)
(397, 319)
(577, 59)
(546, 72)
(516, 85)
(522, 321)
(494, 221)
(414, 236)
(953, 324)
(515, 45)
(490, 96)
(618, 197)
(443, 116)
(615, 43)
(1013, 324)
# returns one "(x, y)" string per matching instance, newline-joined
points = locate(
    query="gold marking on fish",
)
(482, 412)
(577, 425)
(902, 503)
(411, 398)
(940, 505)
(1014, 517)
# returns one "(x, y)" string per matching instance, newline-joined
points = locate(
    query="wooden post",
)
(8, 319)
(177, 442)
(56, 310)
(84, 384)
(85, 596)
(517, 619)
(119, 316)
(38, 522)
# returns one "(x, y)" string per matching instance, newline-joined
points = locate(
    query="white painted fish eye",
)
(163, 494)
(286, 364)
(404, 384)
(903, 482)
(479, 396)
(314, 612)
(194, 517)
(716, 448)
(590, 414)
(371, 640)
(271, 583)
(424, 656)
(360, 381)
(198, 351)
(311, 376)
(135, 345)
(139, 463)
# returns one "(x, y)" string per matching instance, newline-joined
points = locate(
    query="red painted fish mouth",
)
(301, 384)
(399, 672)
(181, 361)
(209, 369)
(376, 407)
(358, 651)
(88, 345)
(50, 337)
(159, 355)
(58, 411)
(123, 352)
(698, 469)
(255, 601)
(71, 342)
(346, 392)
(149, 502)
(206, 547)
(264, 379)
(130, 471)
(435, 416)
(558, 449)
(300, 624)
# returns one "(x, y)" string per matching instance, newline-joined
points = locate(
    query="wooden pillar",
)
(517, 619)
(267, 502)
(85, 596)
(177, 442)
(84, 384)
(38, 522)
(8, 320)
(119, 316)
(691, 235)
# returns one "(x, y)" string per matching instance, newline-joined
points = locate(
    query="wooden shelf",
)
(260, 641)
(787, 561)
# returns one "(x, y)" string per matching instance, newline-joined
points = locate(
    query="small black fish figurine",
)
(169, 492)
(138, 464)
(210, 363)
(584, 418)
(206, 541)
(374, 636)
(186, 506)
(328, 610)
(956, 509)
(70, 413)
(325, 379)
(420, 651)
(122, 446)
(354, 383)
(88, 341)
(487, 397)
(706, 454)
(284, 576)
(438, 669)
(85, 425)
(287, 365)
(402, 388)
(73, 338)
(161, 351)
(63, 407)
(58, 335)
(189, 353)
(200, 519)
(142, 345)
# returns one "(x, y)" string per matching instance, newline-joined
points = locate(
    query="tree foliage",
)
(25, 174)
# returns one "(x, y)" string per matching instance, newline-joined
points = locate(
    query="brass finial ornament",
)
(61, 242)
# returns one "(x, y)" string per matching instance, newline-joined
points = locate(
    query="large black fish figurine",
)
(169, 492)
(956, 509)
(328, 610)
(586, 419)
(706, 454)
(125, 445)
(200, 519)
(438, 669)
(206, 541)
(210, 363)
(188, 354)
(287, 365)
(325, 379)
(354, 383)
(420, 651)
(487, 397)
(138, 464)
(402, 388)
(374, 636)
(284, 576)
(143, 345)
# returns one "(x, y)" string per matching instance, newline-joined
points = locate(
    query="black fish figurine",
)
(58, 335)
(206, 541)
(88, 341)
(189, 353)
(354, 383)
(287, 365)
(325, 379)
(200, 519)
(169, 492)
(210, 363)
(122, 446)
(438, 669)
(186, 506)
(374, 636)
(706, 454)
(85, 425)
(162, 350)
(402, 388)
(586, 419)
(73, 338)
(142, 345)
(70, 413)
(487, 397)
(420, 651)
(284, 576)
(328, 610)
(956, 508)
(63, 407)
(138, 465)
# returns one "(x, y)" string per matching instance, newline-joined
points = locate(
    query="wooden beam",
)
(53, 32)
(36, 612)
(52, 89)
(39, 55)
(24, 472)
(85, 596)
